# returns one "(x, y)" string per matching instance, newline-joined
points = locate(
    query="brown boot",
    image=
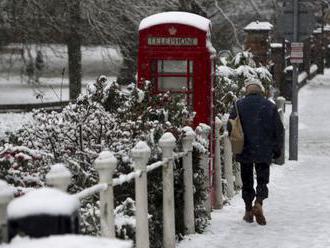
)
(258, 213)
(248, 217)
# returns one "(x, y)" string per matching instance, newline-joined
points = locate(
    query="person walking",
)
(263, 133)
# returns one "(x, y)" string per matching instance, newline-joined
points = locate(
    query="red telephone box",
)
(176, 55)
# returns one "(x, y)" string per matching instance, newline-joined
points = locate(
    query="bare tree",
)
(78, 22)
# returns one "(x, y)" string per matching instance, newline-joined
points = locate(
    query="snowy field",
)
(15, 89)
(67, 241)
(298, 207)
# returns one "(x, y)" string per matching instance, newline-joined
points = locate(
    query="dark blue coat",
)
(262, 127)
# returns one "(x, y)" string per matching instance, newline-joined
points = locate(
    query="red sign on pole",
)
(297, 53)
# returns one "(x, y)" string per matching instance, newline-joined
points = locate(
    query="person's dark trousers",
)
(248, 192)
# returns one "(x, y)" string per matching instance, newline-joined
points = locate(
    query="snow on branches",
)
(106, 118)
(231, 75)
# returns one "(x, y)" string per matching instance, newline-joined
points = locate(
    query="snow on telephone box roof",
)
(178, 17)
(259, 26)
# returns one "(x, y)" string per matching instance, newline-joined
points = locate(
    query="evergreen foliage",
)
(231, 75)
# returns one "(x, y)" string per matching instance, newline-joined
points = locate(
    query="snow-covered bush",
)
(231, 75)
(22, 166)
(104, 118)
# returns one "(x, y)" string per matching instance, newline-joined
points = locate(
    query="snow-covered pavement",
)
(298, 209)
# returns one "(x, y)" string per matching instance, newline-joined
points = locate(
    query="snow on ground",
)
(298, 208)
(15, 91)
(96, 60)
(67, 241)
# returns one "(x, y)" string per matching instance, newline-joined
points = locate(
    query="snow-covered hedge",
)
(231, 75)
(104, 118)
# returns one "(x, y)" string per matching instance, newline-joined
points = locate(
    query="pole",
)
(293, 138)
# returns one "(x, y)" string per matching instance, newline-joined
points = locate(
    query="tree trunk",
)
(74, 51)
(128, 68)
(74, 54)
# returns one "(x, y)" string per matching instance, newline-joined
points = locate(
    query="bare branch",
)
(230, 22)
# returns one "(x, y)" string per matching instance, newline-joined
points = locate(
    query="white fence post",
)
(167, 144)
(205, 162)
(6, 194)
(59, 176)
(188, 212)
(217, 165)
(280, 103)
(141, 153)
(228, 165)
(105, 165)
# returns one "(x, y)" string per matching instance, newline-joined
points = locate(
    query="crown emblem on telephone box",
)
(172, 30)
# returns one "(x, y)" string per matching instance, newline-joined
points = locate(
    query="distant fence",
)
(275, 52)
(4, 108)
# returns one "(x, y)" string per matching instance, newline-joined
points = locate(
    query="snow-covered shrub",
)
(125, 219)
(22, 166)
(106, 118)
(231, 75)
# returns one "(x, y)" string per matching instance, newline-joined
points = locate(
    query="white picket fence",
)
(105, 164)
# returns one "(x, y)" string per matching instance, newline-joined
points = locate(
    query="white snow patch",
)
(188, 131)
(226, 71)
(43, 201)
(176, 17)
(141, 146)
(288, 68)
(276, 45)
(67, 241)
(246, 71)
(262, 26)
(167, 138)
(105, 160)
(210, 48)
(6, 192)
(58, 170)
(313, 68)
(302, 76)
